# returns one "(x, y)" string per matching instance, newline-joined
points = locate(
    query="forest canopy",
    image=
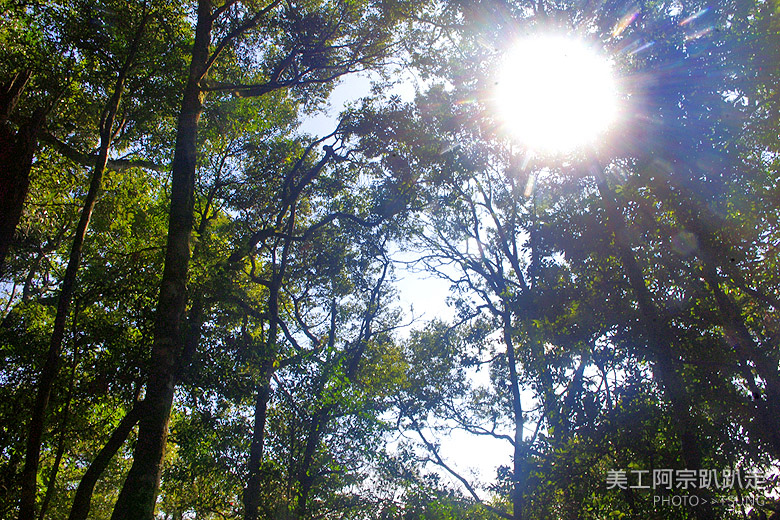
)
(205, 295)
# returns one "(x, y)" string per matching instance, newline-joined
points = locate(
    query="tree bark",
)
(254, 480)
(660, 342)
(519, 455)
(139, 493)
(81, 502)
(13, 154)
(16, 156)
(51, 365)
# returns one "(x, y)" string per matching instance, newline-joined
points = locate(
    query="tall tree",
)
(130, 31)
(325, 42)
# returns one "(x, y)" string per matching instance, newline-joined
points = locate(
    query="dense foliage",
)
(200, 301)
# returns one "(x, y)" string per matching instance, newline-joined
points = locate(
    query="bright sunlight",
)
(554, 94)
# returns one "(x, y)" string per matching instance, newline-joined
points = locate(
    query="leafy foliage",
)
(613, 309)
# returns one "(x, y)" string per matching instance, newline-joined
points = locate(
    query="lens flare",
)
(624, 22)
(694, 16)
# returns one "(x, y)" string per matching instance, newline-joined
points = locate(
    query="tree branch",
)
(85, 159)
(440, 462)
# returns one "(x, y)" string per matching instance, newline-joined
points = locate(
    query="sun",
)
(554, 94)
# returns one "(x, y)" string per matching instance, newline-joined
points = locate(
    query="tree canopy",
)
(202, 302)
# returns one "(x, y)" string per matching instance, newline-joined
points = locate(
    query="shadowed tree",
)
(316, 45)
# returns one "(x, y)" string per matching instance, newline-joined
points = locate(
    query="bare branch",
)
(440, 462)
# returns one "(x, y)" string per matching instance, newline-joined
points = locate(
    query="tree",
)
(615, 309)
(31, 84)
(328, 48)
(489, 243)
(126, 58)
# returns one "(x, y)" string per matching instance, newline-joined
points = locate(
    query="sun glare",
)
(554, 94)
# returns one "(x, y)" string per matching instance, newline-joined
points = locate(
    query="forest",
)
(214, 309)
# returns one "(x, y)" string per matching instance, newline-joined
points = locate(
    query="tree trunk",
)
(519, 469)
(81, 502)
(13, 181)
(63, 436)
(16, 157)
(51, 366)
(320, 420)
(139, 493)
(738, 337)
(254, 480)
(660, 342)
(305, 477)
(252, 490)
(52, 477)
